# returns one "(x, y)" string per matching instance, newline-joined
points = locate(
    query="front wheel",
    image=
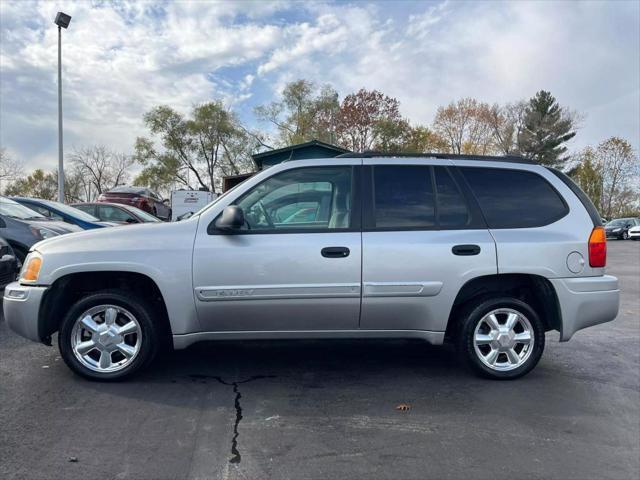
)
(501, 338)
(625, 235)
(108, 336)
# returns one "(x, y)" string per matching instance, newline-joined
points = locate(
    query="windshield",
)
(619, 222)
(15, 210)
(71, 211)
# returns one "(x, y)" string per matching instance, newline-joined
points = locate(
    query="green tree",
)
(195, 151)
(304, 113)
(38, 184)
(547, 127)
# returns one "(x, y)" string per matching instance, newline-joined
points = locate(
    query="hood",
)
(54, 225)
(134, 237)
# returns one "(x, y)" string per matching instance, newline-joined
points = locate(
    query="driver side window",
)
(306, 198)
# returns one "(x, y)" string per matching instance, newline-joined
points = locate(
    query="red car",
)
(139, 197)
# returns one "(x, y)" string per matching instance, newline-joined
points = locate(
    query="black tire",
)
(625, 235)
(472, 316)
(150, 333)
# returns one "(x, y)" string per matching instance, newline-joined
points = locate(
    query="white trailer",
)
(185, 201)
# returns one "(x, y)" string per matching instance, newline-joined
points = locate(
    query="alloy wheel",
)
(503, 339)
(106, 338)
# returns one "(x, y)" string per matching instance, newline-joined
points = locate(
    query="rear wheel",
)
(501, 338)
(108, 336)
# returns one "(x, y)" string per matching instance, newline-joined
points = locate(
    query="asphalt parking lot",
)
(328, 410)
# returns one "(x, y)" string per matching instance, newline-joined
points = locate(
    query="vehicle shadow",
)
(365, 366)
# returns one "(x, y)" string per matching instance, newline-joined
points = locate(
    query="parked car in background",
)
(9, 263)
(64, 213)
(427, 248)
(139, 197)
(619, 227)
(116, 212)
(634, 232)
(22, 227)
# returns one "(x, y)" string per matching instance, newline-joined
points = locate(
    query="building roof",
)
(312, 149)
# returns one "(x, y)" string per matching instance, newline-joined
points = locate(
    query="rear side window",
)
(514, 198)
(403, 197)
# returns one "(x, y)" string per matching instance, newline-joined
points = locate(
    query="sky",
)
(121, 58)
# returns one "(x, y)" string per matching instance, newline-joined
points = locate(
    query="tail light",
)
(598, 248)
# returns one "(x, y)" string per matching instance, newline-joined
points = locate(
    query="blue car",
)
(65, 213)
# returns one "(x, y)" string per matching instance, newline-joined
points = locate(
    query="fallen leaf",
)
(403, 407)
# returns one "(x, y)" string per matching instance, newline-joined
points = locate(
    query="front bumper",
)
(586, 301)
(21, 306)
(634, 233)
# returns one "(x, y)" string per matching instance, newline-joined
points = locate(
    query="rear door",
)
(423, 238)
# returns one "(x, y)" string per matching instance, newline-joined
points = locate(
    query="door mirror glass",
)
(232, 218)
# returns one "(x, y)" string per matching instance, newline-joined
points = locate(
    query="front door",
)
(423, 238)
(295, 266)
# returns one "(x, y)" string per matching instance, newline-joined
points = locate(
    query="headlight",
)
(617, 229)
(43, 233)
(31, 268)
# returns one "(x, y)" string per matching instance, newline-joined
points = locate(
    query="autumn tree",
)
(369, 119)
(303, 113)
(547, 127)
(588, 175)
(195, 151)
(100, 169)
(421, 139)
(465, 126)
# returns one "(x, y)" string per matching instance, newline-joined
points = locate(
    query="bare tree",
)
(506, 123)
(10, 169)
(101, 168)
(618, 166)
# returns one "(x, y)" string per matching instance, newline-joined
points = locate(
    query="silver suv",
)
(488, 253)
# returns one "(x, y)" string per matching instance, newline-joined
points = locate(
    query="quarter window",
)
(514, 198)
(307, 198)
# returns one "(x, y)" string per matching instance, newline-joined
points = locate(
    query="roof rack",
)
(452, 156)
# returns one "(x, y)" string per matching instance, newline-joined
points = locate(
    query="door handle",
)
(466, 250)
(335, 252)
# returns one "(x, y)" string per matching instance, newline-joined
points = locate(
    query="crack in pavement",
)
(235, 453)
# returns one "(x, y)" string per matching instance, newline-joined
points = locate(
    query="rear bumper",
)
(21, 306)
(586, 301)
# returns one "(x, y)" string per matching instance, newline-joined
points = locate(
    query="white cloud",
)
(120, 59)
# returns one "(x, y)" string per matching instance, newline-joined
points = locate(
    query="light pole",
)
(62, 20)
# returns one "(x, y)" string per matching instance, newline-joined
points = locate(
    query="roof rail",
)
(489, 158)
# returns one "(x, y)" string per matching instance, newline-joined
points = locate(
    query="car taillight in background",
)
(598, 248)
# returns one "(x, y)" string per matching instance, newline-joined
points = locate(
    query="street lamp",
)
(62, 20)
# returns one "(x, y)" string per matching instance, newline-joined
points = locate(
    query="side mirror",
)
(131, 220)
(232, 218)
